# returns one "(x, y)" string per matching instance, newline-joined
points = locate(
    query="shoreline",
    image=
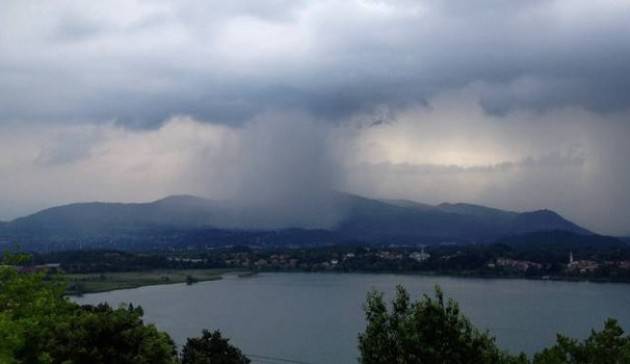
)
(85, 283)
(121, 285)
(464, 275)
(76, 294)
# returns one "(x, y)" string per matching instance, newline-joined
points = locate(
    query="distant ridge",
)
(184, 219)
(409, 221)
(560, 240)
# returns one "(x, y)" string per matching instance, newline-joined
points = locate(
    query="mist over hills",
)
(183, 220)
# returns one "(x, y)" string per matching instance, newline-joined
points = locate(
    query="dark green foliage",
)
(97, 261)
(29, 311)
(427, 331)
(608, 346)
(38, 325)
(102, 335)
(434, 331)
(211, 348)
(190, 280)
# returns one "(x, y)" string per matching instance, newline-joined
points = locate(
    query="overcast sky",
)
(519, 105)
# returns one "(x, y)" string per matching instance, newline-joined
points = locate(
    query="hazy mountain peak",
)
(475, 210)
(182, 200)
(362, 220)
(545, 220)
(409, 204)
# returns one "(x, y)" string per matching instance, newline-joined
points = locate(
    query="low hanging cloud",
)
(273, 104)
(45, 164)
(284, 167)
(277, 167)
(287, 173)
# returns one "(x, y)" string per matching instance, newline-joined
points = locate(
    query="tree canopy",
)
(427, 331)
(433, 330)
(211, 348)
(608, 346)
(39, 325)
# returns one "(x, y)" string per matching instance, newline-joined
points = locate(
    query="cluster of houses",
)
(581, 266)
(574, 266)
(286, 261)
(420, 256)
(333, 260)
(587, 266)
(518, 265)
(277, 261)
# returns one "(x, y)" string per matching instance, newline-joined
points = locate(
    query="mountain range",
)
(183, 220)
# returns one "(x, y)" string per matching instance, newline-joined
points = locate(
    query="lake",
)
(316, 317)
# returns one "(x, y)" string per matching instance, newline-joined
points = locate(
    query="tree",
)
(29, 310)
(427, 331)
(101, 335)
(608, 346)
(38, 325)
(211, 348)
(190, 280)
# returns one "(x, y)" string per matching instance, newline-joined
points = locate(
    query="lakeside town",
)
(471, 260)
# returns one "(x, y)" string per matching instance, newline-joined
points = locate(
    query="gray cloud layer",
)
(520, 105)
(141, 62)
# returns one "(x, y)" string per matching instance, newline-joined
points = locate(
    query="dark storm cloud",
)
(516, 104)
(140, 63)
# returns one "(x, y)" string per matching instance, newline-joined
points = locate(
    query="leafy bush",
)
(433, 330)
(427, 331)
(211, 348)
(39, 325)
(608, 346)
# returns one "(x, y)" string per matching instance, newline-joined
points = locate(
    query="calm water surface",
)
(316, 317)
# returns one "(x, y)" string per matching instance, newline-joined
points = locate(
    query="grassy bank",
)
(101, 282)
